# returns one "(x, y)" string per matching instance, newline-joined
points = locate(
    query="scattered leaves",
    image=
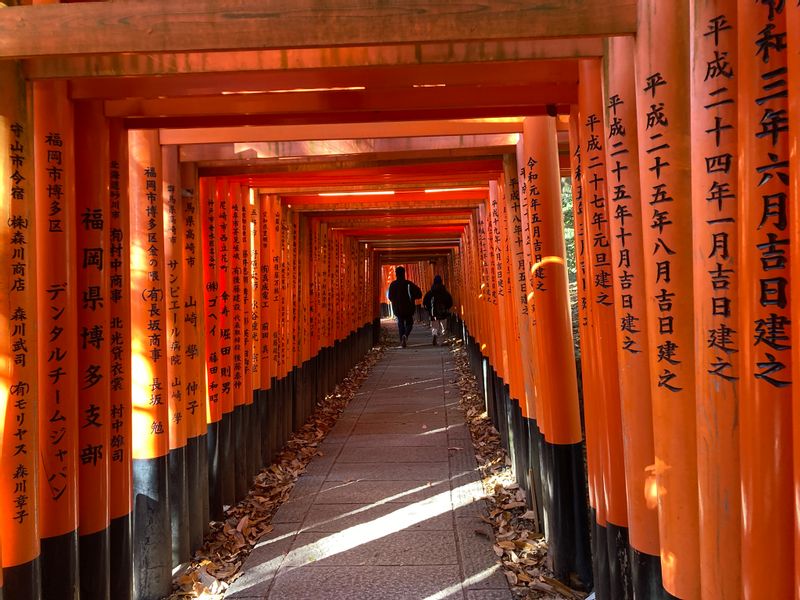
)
(229, 542)
(521, 551)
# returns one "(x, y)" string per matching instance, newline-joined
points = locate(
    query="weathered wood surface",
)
(171, 63)
(182, 25)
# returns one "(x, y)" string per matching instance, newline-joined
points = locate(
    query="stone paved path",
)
(391, 510)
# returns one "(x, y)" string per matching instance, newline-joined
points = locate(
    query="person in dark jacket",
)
(402, 294)
(438, 303)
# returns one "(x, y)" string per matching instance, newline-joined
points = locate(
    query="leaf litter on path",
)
(521, 550)
(229, 542)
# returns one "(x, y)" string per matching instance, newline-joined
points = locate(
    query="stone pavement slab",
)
(391, 509)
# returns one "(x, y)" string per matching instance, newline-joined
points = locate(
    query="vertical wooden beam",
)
(237, 347)
(593, 417)
(265, 332)
(19, 393)
(628, 256)
(121, 470)
(662, 79)
(601, 308)
(554, 353)
(227, 460)
(716, 249)
(764, 296)
(254, 425)
(60, 418)
(212, 325)
(151, 520)
(793, 31)
(194, 355)
(174, 287)
(92, 256)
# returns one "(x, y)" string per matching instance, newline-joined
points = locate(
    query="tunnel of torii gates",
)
(204, 202)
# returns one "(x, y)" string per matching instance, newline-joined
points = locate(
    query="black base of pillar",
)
(196, 493)
(535, 446)
(266, 431)
(152, 547)
(22, 582)
(255, 433)
(214, 473)
(564, 498)
(619, 567)
(227, 459)
(287, 396)
(121, 557)
(602, 584)
(95, 578)
(59, 561)
(298, 399)
(646, 576)
(239, 440)
(179, 505)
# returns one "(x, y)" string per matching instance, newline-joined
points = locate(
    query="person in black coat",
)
(438, 302)
(402, 294)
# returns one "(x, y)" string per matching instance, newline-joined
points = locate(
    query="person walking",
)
(402, 294)
(438, 302)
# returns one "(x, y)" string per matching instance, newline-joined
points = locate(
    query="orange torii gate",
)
(167, 320)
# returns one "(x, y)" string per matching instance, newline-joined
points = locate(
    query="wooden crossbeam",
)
(346, 101)
(529, 72)
(248, 153)
(387, 55)
(336, 131)
(199, 25)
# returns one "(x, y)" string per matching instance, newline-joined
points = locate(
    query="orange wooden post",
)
(593, 417)
(278, 319)
(211, 304)
(227, 460)
(793, 33)
(662, 79)
(305, 264)
(527, 322)
(628, 256)
(174, 287)
(294, 312)
(261, 382)
(246, 316)
(511, 347)
(59, 417)
(19, 385)
(518, 410)
(151, 519)
(562, 448)
(265, 335)
(601, 301)
(239, 414)
(517, 225)
(504, 326)
(485, 295)
(92, 255)
(528, 332)
(194, 354)
(327, 242)
(716, 310)
(121, 469)
(764, 296)
(315, 308)
(286, 323)
(248, 292)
